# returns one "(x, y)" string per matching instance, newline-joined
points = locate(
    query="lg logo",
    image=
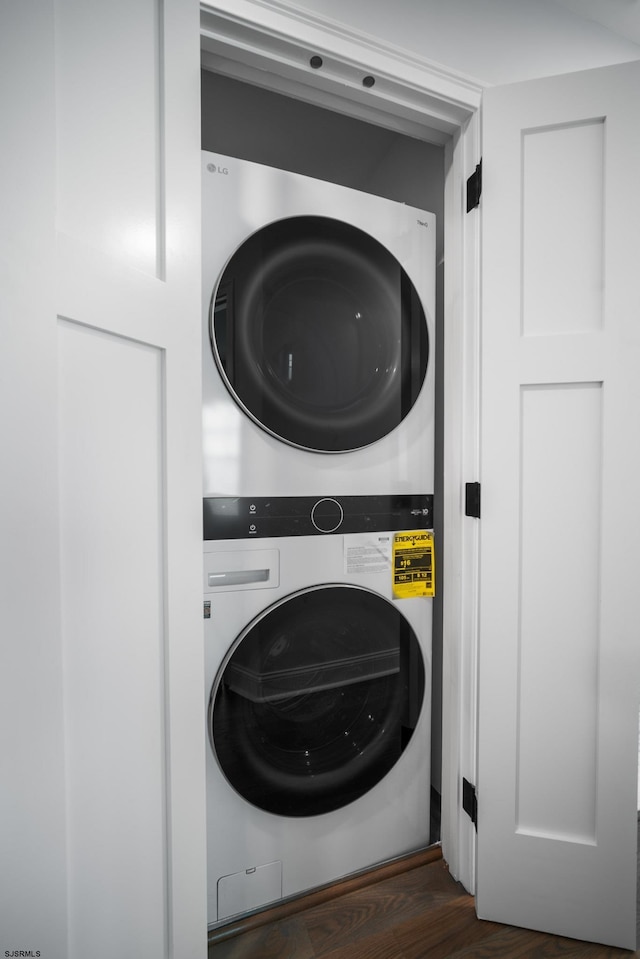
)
(212, 168)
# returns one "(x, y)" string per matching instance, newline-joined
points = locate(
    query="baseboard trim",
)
(296, 904)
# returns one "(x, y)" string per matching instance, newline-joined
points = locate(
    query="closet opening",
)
(247, 122)
(412, 136)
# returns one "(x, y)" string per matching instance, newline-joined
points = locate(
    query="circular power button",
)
(327, 515)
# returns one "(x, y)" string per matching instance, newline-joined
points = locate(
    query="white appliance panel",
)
(389, 820)
(240, 457)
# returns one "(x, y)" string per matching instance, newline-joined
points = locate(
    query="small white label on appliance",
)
(367, 553)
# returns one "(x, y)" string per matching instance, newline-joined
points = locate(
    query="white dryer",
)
(319, 715)
(318, 336)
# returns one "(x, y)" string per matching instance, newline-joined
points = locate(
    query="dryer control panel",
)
(244, 517)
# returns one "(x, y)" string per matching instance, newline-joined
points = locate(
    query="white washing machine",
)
(318, 336)
(318, 688)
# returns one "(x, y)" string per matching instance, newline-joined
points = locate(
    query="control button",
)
(327, 515)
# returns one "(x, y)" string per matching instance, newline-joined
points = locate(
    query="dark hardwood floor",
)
(419, 913)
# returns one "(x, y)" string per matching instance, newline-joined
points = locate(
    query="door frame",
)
(269, 43)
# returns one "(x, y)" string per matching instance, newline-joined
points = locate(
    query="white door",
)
(559, 636)
(103, 837)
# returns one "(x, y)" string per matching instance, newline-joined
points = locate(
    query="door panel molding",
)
(559, 663)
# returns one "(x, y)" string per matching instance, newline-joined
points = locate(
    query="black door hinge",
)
(470, 801)
(474, 188)
(472, 500)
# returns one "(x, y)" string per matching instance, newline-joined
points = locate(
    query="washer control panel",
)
(244, 517)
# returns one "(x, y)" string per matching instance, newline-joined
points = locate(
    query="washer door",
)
(319, 334)
(317, 700)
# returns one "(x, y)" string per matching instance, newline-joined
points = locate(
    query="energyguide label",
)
(414, 566)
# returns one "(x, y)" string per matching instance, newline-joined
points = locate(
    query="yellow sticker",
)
(414, 564)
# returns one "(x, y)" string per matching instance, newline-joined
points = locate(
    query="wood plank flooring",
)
(422, 913)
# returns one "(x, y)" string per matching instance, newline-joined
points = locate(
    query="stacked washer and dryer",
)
(318, 432)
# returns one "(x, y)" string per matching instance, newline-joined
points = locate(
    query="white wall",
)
(493, 41)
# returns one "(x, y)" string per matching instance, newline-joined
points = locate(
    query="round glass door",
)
(317, 700)
(319, 334)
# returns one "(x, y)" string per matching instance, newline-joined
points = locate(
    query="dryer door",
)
(319, 334)
(318, 699)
